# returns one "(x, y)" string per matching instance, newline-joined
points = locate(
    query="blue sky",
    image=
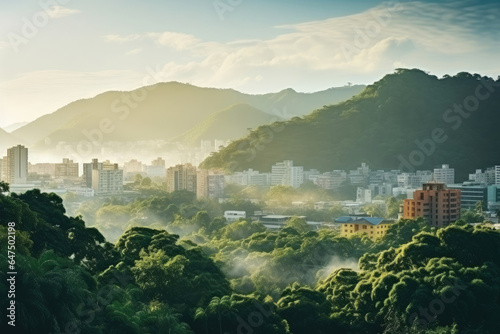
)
(80, 48)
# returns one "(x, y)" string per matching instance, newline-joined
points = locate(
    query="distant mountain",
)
(406, 120)
(162, 112)
(15, 126)
(228, 124)
(6, 141)
(288, 103)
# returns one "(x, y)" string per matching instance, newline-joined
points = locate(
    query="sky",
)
(53, 52)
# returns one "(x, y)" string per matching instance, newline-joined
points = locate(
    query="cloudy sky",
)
(53, 52)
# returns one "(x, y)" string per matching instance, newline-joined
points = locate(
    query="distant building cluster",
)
(481, 186)
(104, 177)
(424, 189)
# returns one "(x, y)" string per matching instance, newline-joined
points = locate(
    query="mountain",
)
(408, 120)
(288, 103)
(6, 141)
(161, 112)
(228, 124)
(15, 126)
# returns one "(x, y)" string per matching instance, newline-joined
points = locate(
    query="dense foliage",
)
(382, 124)
(241, 278)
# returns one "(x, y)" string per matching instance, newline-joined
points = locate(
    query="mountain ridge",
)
(384, 126)
(162, 111)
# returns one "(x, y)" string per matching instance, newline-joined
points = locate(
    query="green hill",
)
(391, 121)
(162, 112)
(228, 124)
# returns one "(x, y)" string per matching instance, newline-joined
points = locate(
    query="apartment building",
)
(182, 177)
(437, 204)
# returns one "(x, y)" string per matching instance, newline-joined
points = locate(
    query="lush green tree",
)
(4, 187)
(299, 224)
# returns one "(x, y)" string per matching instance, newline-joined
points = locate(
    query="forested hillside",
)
(409, 119)
(241, 278)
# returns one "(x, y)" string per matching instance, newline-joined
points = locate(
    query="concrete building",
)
(210, 184)
(275, 222)
(83, 192)
(373, 227)
(445, 175)
(330, 180)
(493, 198)
(87, 171)
(473, 192)
(155, 171)
(382, 189)
(359, 176)
(414, 180)
(66, 170)
(285, 173)
(363, 195)
(232, 216)
(437, 204)
(4, 170)
(311, 174)
(491, 176)
(42, 169)
(104, 177)
(249, 177)
(133, 166)
(158, 162)
(182, 177)
(496, 170)
(17, 165)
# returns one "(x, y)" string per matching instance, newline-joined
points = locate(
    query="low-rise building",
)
(232, 216)
(373, 227)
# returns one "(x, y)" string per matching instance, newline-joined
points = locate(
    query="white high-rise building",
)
(445, 175)
(17, 165)
(285, 173)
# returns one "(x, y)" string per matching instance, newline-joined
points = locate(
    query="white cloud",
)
(57, 12)
(413, 33)
(121, 39)
(134, 51)
(174, 40)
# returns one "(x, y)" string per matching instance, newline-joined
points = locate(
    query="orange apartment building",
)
(438, 205)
